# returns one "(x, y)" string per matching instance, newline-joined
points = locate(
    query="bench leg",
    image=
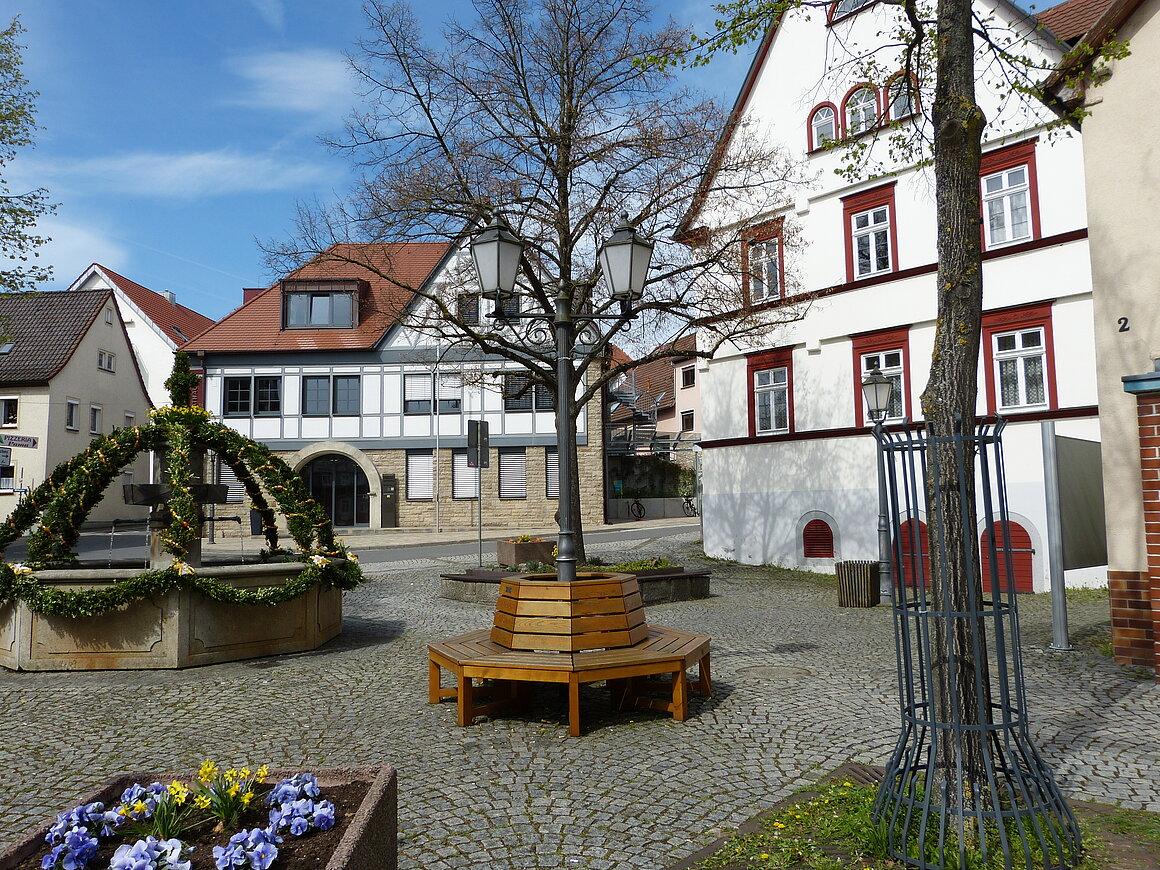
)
(574, 705)
(704, 678)
(464, 706)
(433, 693)
(680, 695)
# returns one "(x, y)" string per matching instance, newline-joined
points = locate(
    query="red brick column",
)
(1136, 598)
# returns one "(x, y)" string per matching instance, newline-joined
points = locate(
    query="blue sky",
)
(177, 133)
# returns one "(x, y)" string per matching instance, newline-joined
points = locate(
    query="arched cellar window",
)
(818, 540)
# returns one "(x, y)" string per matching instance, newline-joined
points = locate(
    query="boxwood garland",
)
(65, 498)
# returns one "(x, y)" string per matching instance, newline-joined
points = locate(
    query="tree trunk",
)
(948, 405)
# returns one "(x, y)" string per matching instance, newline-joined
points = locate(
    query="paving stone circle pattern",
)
(801, 686)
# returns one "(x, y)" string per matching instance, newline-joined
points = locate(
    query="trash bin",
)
(255, 522)
(857, 583)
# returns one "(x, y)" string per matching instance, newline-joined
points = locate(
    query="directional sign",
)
(19, 441)
(5, 457)
(477, 438)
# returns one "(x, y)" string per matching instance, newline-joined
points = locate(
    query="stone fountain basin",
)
(175, 630)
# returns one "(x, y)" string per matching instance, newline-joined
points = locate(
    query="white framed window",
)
(1020, 368)
(1006, 205)
(890, 363)
(688, 423)
(870, 236)
(313, 307)
(7, 478)
(95, 414)
(450, 396)
(130, 420)
(764, 269)
(847, 7)
(823, 126)
(464, 479)
(108, 315)
(417, 394)
(9, 411)
(106, 361)
(861, 111)
(420, 475)
(551, 472)
(771, 400)
(513, 473)
(688, 376)
(72, 413)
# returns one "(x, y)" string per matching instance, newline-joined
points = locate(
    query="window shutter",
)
(420, 475)
(551, 472)
(513, 478)
(235, 491)
(818, 540)
(416, 388)
(464, 479)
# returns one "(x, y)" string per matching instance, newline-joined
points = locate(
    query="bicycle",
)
(689, 506)
(636, 508)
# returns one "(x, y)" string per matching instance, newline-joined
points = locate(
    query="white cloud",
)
(308, 81)
(191, 175)
(273, 12)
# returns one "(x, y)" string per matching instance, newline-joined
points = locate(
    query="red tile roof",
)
(177, 322)
(257, 325)
(1073, 19)
(654, 379)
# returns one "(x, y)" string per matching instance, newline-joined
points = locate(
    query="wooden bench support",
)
(474, 656)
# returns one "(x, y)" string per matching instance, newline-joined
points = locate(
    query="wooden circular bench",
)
(583, 632)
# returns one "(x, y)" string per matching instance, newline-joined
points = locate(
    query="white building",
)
(788, 463)
(67, 373)
(156, 323)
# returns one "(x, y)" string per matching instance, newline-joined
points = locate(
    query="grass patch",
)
(829, 828)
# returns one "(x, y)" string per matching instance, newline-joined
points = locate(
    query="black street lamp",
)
(624, 261)
(878, 390)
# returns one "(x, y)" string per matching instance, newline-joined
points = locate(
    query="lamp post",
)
(624, 260)
(878, 390)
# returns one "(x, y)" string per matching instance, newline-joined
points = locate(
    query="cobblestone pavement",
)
(801, 686)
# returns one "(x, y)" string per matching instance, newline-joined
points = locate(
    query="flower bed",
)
(525, 549)
(214, 819)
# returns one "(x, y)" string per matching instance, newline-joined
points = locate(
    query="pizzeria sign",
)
(19, 441)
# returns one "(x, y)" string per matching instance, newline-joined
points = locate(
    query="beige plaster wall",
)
(1122, 163)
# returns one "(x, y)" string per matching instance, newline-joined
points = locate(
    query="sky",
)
(178, 134)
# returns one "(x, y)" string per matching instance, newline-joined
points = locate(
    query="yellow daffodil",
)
(231, 775)
(139, 807)
(245, 772)
(263, 772)
(319, 560)
(202, 802)
(233, 790)
(207, 771)
(182, 568)
(247, 797)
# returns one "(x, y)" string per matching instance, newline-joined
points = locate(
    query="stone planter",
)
(174, 630)
(512, 553)
(369, 842)
(657, 585)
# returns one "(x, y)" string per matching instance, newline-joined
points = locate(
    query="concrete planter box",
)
(369, 842)
(174, 630)
(657, 585)
(520, 552)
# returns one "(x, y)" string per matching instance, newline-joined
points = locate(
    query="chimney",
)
(249, 293)
(170, 295)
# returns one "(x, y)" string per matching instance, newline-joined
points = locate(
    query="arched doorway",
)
(915, 546)
(340, 486)
(1014, 539)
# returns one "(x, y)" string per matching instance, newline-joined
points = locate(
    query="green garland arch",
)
(59, 505)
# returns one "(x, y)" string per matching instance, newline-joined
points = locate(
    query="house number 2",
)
(1123, 321)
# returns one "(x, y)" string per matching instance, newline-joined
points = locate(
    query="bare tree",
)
(945, 47)
(539, 111)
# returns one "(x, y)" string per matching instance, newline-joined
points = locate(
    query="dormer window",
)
(319, 304)
(842, 8)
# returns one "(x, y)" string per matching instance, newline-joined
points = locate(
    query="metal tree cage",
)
(965, 785)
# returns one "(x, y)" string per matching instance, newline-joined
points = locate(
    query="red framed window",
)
(823, 126)
(817, 540)
(762, 263)
(840, 9)
(901, 97)
(888, 350)
(770, 386)
(871, 232)
(1019, 359)
(860, 110)
(1010, 195)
